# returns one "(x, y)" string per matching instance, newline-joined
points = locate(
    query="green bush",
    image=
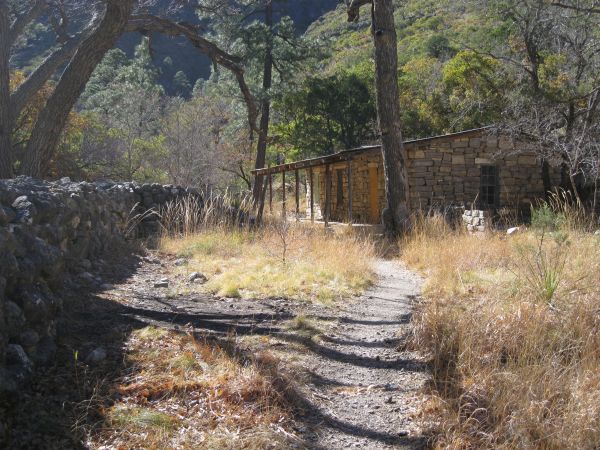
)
(544, 218)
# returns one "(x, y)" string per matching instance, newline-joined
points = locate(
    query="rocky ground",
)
(356, 387)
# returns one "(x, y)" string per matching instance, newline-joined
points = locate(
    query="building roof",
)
(345, 155)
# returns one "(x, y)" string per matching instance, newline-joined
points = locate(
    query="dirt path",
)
(363, 388)
(352, 385)
(357, 388)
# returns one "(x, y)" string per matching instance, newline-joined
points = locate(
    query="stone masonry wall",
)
(442, 172)
(49, 231)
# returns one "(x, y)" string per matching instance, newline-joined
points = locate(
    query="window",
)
(489, 187)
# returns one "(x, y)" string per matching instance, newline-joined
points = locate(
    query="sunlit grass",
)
(296, 263)
(512, 328)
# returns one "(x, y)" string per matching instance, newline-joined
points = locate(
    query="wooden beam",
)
(283, 205)
(349, 176)
(314, 162)
(312, 195)
(327, 194)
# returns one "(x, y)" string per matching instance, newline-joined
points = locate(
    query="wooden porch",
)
(310, 167)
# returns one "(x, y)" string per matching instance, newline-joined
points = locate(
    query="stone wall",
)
(477, 220)
(447, 171)
(48, 232)
(443, 171)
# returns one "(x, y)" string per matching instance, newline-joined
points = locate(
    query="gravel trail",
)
(364, 389)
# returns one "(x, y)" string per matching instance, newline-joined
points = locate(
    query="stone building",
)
(474, 170)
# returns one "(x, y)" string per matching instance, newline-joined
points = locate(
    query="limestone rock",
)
(16, 357)
(513, 230)
(96, 356)
(196, 277)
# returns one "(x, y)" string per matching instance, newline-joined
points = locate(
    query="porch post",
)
(349, 169)
(327, 194)
(283, 205)
(312, 196)
(271, 193)
(297, 196)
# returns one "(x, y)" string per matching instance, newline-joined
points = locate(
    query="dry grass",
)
(512, 325)
(193, 394)
(280, 260)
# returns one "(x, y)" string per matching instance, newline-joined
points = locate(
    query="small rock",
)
(597, 233)
(7, 215)
(151, 260)
(96, 356)
(181, 262)
(85, 264)
(197, 277)
(45, 351)
(29, 338)
(16, 356)
(88, 277)
(107, 287)
(161, 284)
(389, 400)
(513, 230)
(403, 433)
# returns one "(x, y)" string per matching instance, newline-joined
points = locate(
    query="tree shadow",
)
(65, 400)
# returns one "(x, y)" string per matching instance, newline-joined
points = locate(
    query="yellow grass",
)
(294, 262)
(187, 393)
(516, 363)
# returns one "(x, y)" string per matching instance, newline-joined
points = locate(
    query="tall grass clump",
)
(512, 329)
(192, 214)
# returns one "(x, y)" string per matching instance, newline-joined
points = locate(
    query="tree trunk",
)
(265, 106)
(46, 133)
(5, 109)
(396, 216)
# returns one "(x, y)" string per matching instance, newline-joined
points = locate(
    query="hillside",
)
(184, 56)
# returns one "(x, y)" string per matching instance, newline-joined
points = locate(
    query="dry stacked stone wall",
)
(50, 231)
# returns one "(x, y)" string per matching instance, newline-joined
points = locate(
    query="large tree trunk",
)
(51, 121)
(5, 110)
(265, 105)
(396, 216)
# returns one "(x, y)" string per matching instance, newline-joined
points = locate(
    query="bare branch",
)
(354, 9)
(34, 82)
(593, 9)
(150, 23)
(22, 21)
